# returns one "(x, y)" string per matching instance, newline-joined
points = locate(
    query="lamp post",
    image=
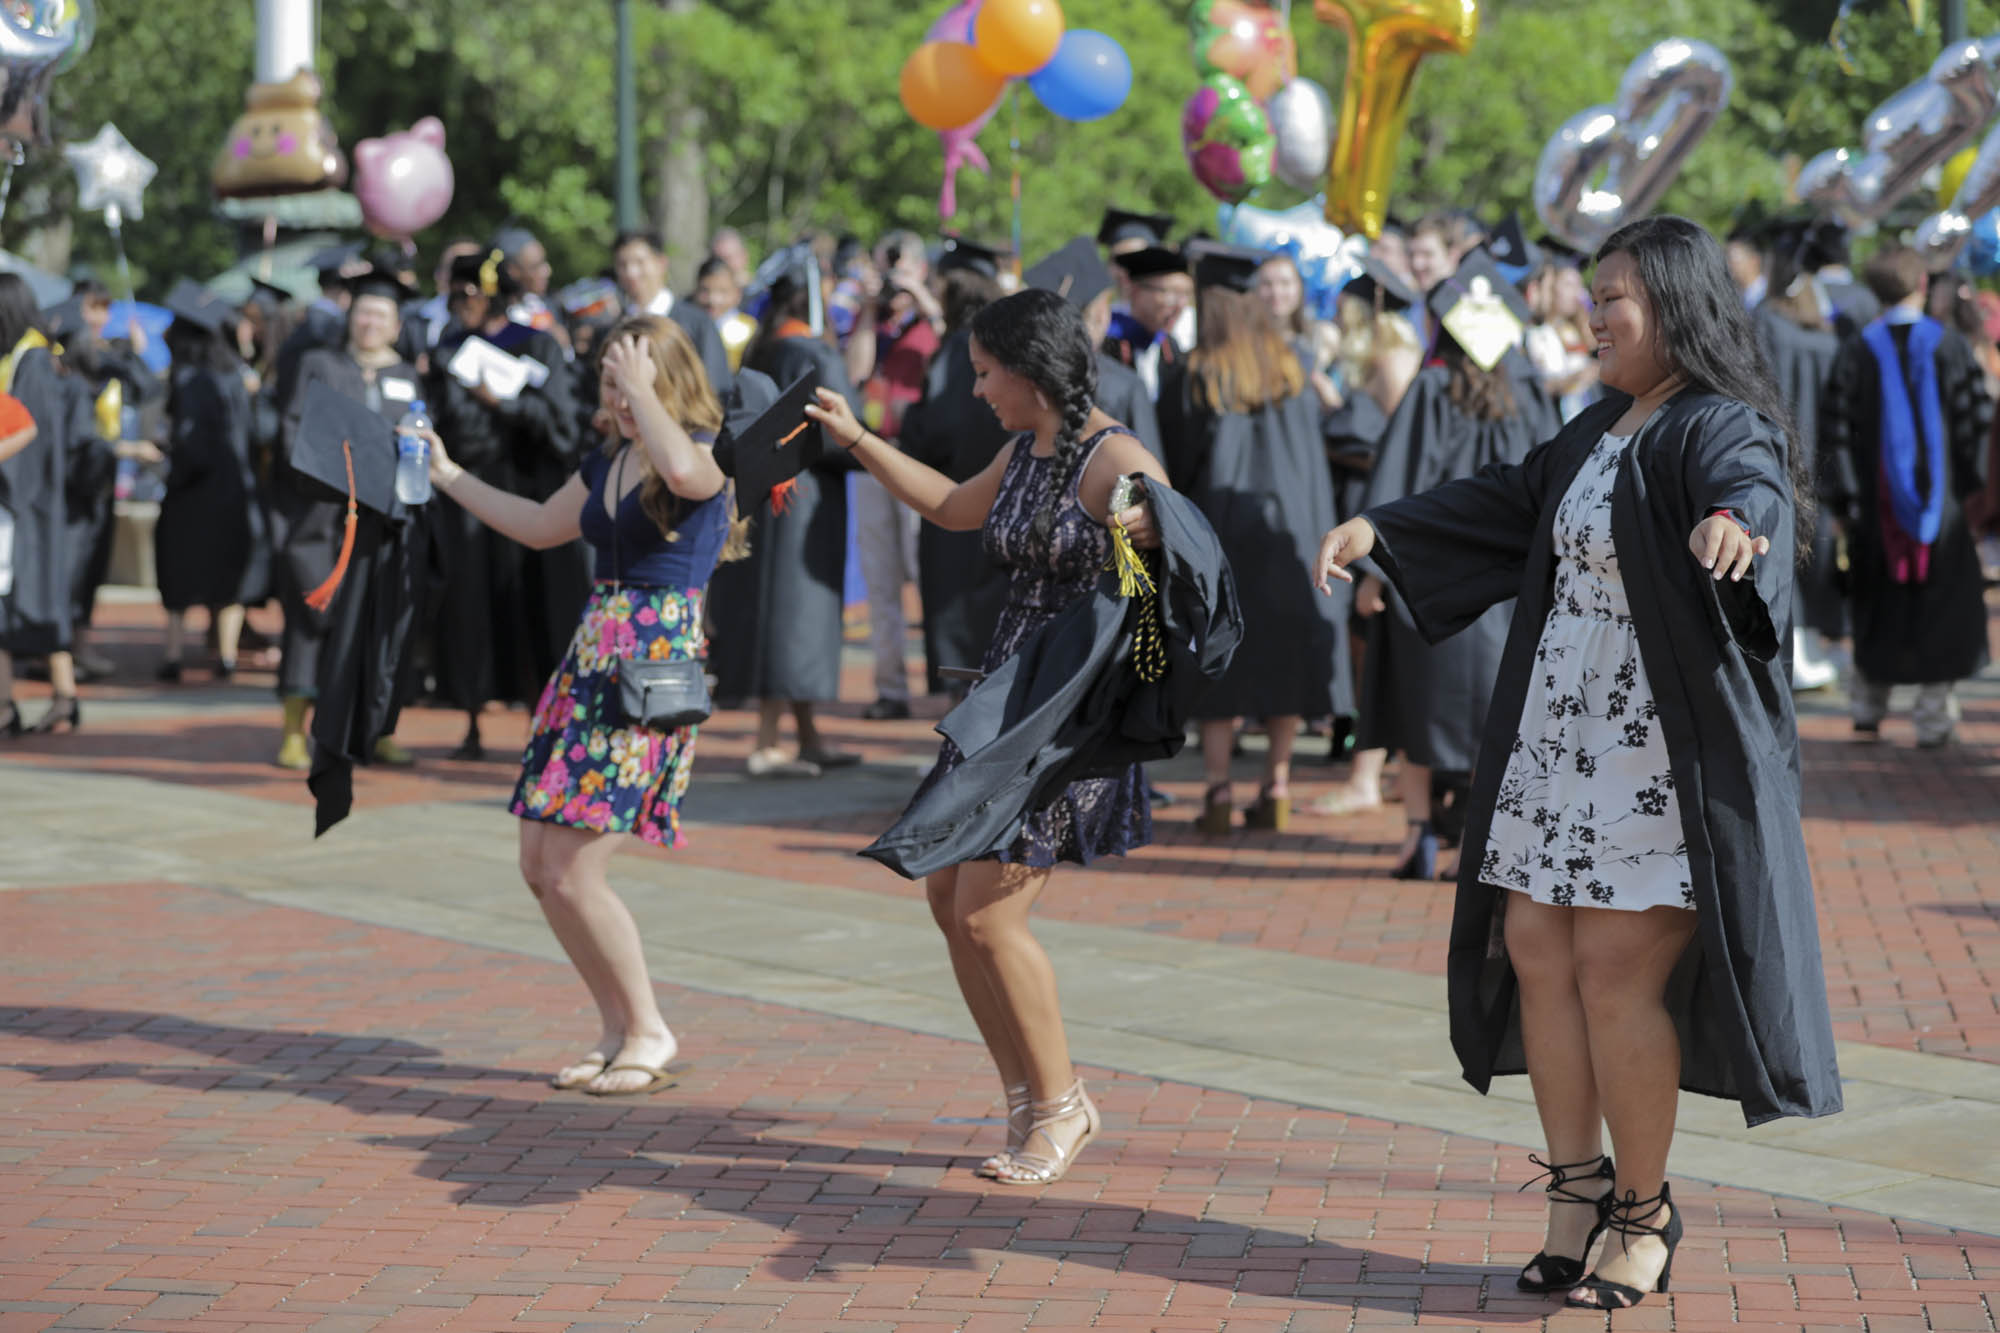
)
(628, 128)
(1951, 18)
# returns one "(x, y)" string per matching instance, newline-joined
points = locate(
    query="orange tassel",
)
(322, 597)
(781, 494)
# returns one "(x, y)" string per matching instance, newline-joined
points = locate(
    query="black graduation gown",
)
(963, 591)
(1122, 396)
(1353, 433)
(210, 546)
(311, 520)
(1431, 700)
(35, 618)
(508, 613)
(777, 614)
(1907, 633)
(1749, 996)
(700, 328)
(1802, 360)
(1262, 481)
(89, 489)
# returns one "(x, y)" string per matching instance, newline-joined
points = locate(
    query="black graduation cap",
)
(1509, 245)
(486, 271)
(961, 253)
(333, 429)
(1121, 225)
(375, 281)
(1220, 265)
(63, 319)
(334, 258)
(776, 446)
(1075, 273)
(1378, 283)
(1153, 261)
(195, 304)
(1560, 251)
(270, 292)
(1481, 310)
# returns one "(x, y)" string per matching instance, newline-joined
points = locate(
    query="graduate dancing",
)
(654, 506)
(1634, 912)
(1042, 505)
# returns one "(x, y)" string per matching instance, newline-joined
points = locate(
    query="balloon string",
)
(1014, 148)
(14, 159)
(114, 218)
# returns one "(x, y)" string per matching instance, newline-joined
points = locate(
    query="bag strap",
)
(618, 517)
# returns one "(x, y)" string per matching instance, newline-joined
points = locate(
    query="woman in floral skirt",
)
(654, 507)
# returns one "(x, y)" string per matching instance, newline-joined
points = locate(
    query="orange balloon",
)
(945, 86)
(1014, 38)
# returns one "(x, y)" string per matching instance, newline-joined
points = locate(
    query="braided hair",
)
(1040, 337)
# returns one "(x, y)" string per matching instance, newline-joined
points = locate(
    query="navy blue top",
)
(645, 555)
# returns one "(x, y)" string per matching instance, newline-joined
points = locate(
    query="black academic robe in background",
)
(1430, 700)
(508, 613)
(777, 614)
(1122, 396)
(963, 591)
(1749, 996)
(210, 546)
(1801, 361)
(35, 618)
(93, 476)
(1907, 633)
(1353, 433)
(700, 328)
(1261, 480)
(310, 518)
(1854, 306)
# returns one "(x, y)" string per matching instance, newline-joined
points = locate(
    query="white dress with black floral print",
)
(1587, 815)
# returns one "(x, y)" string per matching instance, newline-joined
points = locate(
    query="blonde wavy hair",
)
(682, 384)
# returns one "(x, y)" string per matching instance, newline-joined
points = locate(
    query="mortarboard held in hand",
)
(351, 452)
(1481, 310)
(768, 452)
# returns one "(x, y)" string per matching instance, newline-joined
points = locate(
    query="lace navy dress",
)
(1097, 816)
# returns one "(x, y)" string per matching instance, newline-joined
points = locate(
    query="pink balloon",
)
(955, 24)
(403, 180)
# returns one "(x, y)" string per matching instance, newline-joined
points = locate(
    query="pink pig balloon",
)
(403, 180)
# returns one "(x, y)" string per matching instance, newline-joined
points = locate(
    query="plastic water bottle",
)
(413, 456)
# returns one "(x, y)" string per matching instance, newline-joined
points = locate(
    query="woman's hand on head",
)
(836, 415)
(629, 366)
(1340, 548)
(1724, 548)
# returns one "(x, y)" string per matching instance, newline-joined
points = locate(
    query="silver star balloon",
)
(39, 39)
(110, 173)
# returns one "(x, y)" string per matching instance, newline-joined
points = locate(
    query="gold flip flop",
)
(658, 1077)
(592, 1065)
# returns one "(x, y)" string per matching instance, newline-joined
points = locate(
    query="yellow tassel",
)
(1149, 651)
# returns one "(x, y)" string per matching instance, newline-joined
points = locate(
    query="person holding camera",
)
(654, 506)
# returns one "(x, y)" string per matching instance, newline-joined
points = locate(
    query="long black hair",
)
(1702, 330)
(1040, 337)
(17, 310)
(192, 347)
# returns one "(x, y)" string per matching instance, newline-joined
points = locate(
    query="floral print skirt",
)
(584, 766)
(1587, 814)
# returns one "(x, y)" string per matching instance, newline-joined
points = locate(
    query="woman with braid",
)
(1043, 508)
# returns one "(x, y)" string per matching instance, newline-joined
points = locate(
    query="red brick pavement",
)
(1905, 847)
(227, 1115)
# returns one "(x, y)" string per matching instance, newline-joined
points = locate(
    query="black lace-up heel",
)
(1626, 1217)
(1559, 1272)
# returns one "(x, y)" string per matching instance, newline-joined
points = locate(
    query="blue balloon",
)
(1981, 255)
(1087, 78)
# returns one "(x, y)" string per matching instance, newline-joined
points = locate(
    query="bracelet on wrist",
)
(855, 443)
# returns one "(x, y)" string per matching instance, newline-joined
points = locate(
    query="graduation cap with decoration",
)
(1076, 273)
(350, 451)
(768, 453)
(1511, 249)
(488, 272)
(1481, 310)
(959, 253)
(1380, 286)
(1122, 226)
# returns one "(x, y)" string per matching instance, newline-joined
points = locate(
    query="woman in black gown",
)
(1476, 407)
(1043, 506)
(1615, 978)
(777, 614)
(210, 546)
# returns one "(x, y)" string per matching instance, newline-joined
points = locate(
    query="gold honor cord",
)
(1149, 645)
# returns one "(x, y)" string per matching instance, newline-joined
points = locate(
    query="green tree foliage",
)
(803, 125)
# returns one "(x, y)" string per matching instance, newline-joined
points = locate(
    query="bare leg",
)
(1363, 788)
(769, 712)
(991, 902)
(1282, 734)
(1217, 734)
(228, 632)
(1624, 960)
(1415, 784)
(176, 636)
(1541, 945)
(966, 966)
(806, 729)
(570, 880)
(6, 679)
(62, 674)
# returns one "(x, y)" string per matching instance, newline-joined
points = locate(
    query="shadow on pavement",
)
(522, 1144)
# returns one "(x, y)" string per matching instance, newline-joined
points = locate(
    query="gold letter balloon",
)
(1386, 40)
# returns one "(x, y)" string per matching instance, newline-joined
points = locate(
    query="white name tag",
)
(399, 391)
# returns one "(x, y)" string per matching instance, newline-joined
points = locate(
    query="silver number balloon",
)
(33, 42)
(1302, 119)
(1634, 148)
(1914, 130)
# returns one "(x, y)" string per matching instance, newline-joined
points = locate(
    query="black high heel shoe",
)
(1559, 1272)
(64, 710)
(12, 727)
(1422, 862)
(1625, 1217)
